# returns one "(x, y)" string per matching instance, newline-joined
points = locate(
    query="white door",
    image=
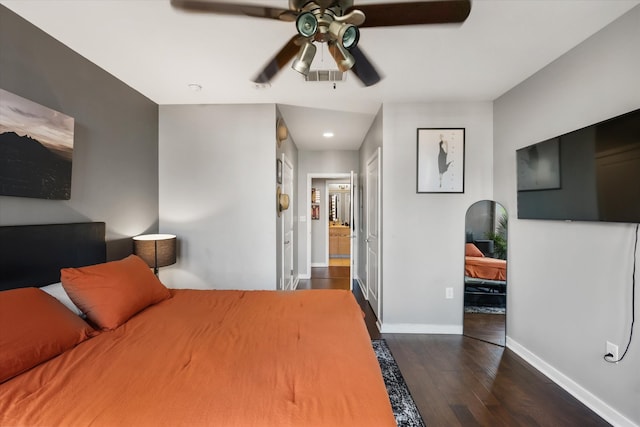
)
(353, 227)
(373, 232)
(287, 225)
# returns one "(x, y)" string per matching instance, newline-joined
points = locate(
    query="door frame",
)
(291, 284)
(327, 201)
(310, 177)
(376, 156)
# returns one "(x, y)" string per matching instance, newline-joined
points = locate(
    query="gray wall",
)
(115, 158)
(218, 194)
(317, 162)
(423, 246)
(570, 283)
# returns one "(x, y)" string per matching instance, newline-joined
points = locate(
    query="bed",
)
(484, 276)
(187, 357)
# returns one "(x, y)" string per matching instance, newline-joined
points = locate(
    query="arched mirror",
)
(485, 272)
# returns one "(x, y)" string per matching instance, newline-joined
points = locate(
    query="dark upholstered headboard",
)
(32, 255)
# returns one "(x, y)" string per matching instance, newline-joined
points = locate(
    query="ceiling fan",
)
(337, 23)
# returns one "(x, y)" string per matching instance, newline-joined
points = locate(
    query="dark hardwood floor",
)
(485, 327)
(461, 381)
(456, 380)
(326, 278)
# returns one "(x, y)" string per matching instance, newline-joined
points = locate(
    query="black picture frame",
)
(440, 160)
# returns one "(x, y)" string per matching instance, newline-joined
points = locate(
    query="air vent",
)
(326, 76)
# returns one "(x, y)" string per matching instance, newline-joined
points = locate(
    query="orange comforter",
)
(485, 268)
(214, 358)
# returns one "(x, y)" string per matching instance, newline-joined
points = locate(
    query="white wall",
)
(324, 163)
(218, 194)
(570, 283)
(424, 234)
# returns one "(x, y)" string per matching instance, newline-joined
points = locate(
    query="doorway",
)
(339, 222)
(331, 228)
(485, 272)
(287, 227)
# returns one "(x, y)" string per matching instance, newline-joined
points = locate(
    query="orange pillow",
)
(472, 250)
(111, 293)
(35, 327)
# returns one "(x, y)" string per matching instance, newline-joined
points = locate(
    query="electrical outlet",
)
(613, 350)
(449, 293)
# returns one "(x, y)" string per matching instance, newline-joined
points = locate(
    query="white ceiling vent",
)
(326, 76)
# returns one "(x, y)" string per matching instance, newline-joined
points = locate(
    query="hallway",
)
(333, 277)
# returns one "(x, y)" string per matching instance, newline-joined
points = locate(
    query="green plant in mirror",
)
(499, 237)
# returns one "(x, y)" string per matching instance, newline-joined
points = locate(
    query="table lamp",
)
(157, 250)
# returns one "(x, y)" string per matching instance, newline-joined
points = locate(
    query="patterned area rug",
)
(485, 310)
(404, 408)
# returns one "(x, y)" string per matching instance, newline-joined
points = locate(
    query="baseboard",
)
(319, 264)
(594, 403)
(418, 328)
(304, 276)
(362, 288)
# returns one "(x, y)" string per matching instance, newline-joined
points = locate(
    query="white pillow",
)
(57, 291)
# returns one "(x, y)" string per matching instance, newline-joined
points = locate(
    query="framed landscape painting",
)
(36, 149)
(440, 156)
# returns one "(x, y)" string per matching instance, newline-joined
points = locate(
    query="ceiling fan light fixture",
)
(307, 24)
(344, 60)
(335, 22)
(350, 36)
(304, 58)
(346, 34)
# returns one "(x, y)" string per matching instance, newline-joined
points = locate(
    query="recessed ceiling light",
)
(195, 87)
(328, 134)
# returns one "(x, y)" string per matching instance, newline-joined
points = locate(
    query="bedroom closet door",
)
(485, 272)
(287, 225)
(373, 232)
(354, 227)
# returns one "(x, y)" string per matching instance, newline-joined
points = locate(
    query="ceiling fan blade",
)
(235, 9)
(363, 68)
(278, 62)
(414, 13)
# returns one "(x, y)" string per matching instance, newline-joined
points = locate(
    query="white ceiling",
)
(159, 51)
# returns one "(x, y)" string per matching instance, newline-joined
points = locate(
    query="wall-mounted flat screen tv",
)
(591, 174)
